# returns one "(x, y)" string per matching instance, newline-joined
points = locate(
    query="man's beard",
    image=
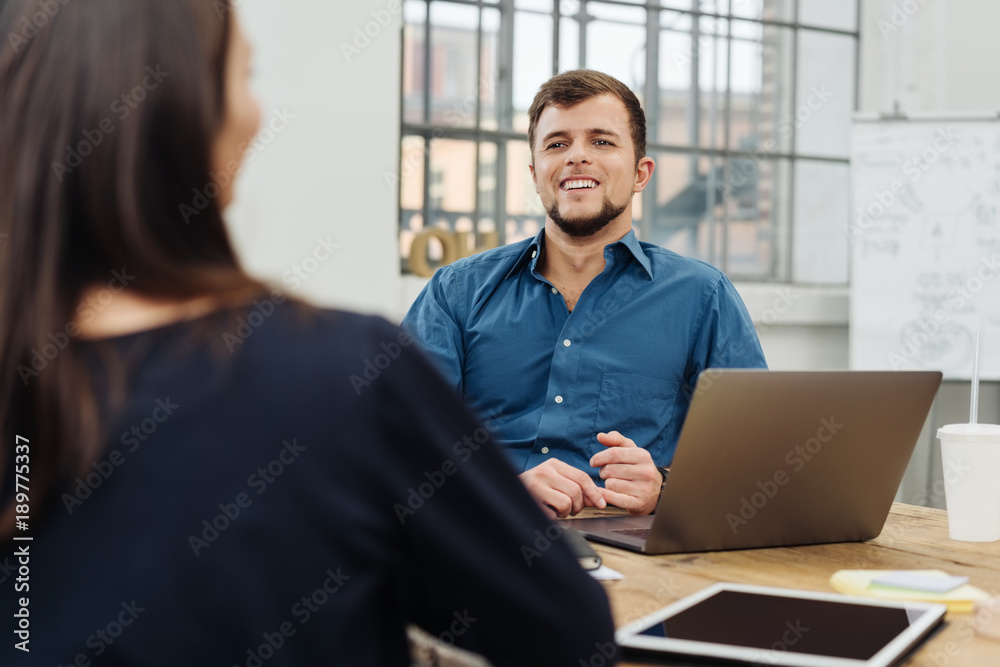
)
(582, 227)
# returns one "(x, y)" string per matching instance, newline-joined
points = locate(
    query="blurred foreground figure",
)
(201, 480)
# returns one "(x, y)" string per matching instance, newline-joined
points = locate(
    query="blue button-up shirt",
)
(626, 358)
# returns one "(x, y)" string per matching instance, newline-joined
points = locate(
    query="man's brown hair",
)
(570, 88)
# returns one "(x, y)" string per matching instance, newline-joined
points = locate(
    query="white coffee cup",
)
(970, 454)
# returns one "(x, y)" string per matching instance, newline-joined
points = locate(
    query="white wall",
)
(323, 177)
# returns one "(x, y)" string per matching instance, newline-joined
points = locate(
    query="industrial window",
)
(748, 106)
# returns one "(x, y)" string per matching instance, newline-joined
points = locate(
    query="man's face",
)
(584, 165)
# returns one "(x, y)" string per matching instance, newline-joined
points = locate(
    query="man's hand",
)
(631, 478)
(561, 489)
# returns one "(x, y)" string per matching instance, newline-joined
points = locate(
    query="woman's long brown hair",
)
(108, 111)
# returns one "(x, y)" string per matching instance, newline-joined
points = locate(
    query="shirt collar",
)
(533, 250)
(530, 254)
(632, 243)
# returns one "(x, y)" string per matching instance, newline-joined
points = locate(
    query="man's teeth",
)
(576, 185)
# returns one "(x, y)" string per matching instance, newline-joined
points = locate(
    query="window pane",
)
(569, 44)
(755, 191)
(428, 243)
(730, 82)
(532, 61)
(411, 192)
(820, 214)
(489, 71)
(761, 113)
(768, 10)
(454, 78)
(824, 94)
(677, 48)
(619, 48)
(593, 3)
(453, 172)
(613, 12)
(682, 4)
(842, 15)
(414, 15)
(687, 216)
(689, 117)
(488, 186)
(535, 5)
(525, 215)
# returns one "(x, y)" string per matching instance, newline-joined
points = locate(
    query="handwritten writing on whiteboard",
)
(925, 245)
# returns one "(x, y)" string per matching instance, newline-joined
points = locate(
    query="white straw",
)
(974, 403)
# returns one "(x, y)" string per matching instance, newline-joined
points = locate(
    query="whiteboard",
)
(925, 245)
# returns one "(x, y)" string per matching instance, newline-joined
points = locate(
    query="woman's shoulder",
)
(299, 339)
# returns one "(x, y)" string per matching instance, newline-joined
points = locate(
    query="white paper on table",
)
(605, 573)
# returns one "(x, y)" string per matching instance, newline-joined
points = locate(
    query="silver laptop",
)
(779, 458)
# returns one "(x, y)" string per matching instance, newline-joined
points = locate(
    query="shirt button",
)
(566, 343)
(558, 399)
(533, 253)
(545, 450)
(555, 291)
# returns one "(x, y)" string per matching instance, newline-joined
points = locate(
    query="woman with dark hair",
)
(173, 488)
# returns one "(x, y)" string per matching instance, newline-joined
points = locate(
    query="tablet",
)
(758, 625)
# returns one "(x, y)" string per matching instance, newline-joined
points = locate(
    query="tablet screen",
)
(775, 626)
(786, 624)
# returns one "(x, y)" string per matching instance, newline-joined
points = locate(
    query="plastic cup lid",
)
(970, 432)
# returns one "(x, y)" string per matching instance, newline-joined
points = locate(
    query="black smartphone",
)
(581, 548)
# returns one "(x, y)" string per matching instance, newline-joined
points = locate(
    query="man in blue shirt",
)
(583, 344)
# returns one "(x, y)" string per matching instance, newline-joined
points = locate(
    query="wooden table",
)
(913, 538)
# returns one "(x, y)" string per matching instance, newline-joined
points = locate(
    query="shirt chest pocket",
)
(639, 407)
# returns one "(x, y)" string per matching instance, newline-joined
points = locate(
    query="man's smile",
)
(577, 183)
